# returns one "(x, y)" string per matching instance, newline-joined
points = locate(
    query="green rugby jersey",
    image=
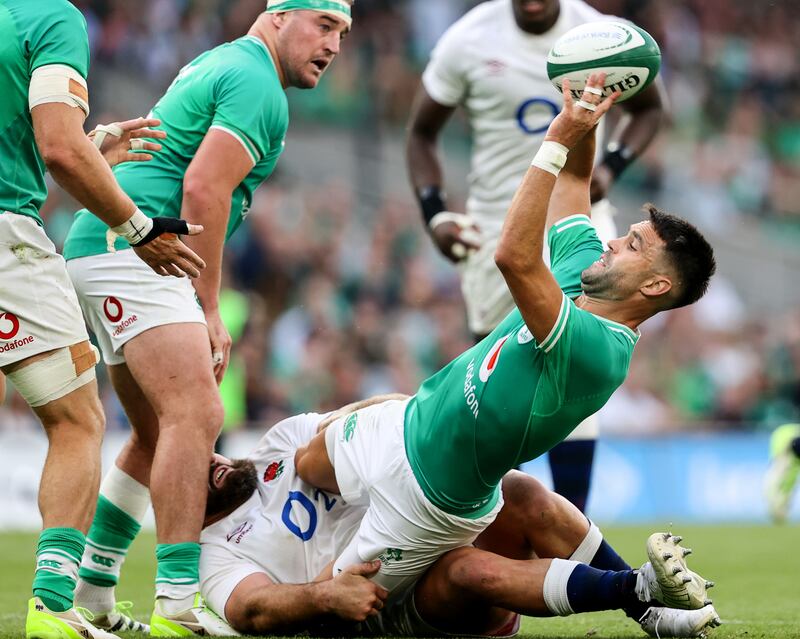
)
(234, 87)
(509, 399)
(33, 33)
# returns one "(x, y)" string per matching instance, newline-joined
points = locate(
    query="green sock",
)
(58, 556)
(178, 573)
(112, 533)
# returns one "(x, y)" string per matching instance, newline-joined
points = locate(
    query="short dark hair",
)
(688, 252)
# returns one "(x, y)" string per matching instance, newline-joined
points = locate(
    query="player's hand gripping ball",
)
(628, 55)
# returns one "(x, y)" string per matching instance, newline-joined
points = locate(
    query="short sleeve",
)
(248, 107)
(220, 572)
(284, 438)
(445, 77)
(574, 246)
(62, 41)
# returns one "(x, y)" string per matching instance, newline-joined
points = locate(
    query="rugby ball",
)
(628, 55)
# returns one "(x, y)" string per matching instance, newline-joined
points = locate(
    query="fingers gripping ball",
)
(628, 55)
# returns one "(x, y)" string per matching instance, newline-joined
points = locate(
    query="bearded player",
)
(268, 535)
(163, 340)
(492, 62)
(430, 468)
(44, 347)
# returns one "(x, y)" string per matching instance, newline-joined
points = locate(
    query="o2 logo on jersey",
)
(304, 529)
(491, 359)
(535, 115)
(112, 308)
(9, 325)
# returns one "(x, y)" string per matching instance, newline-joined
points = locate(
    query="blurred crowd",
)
(331, 295)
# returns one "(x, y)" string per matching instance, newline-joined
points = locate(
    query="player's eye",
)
(326, 28)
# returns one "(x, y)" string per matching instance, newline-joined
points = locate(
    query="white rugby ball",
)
(628, 55)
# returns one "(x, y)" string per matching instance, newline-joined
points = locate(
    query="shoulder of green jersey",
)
(615, 327)
(572, 221)
(558, 328)
(248, 146)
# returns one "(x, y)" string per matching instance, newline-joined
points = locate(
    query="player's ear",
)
(279, 19)
(656, 286)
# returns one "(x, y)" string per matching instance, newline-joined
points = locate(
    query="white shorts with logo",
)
(39, 310)
(122, 297)
(401, 527)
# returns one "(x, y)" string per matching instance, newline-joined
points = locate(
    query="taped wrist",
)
(431, 202)
(136, 229)
(550, 157)
(165, 225)
(617, 158)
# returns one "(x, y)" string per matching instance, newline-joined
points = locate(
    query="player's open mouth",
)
(216, 475)
(533, 6)
(320, 64)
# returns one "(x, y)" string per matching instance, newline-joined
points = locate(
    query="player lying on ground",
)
(44, 346)
(226, 115)
(269, 534)
(430, 468)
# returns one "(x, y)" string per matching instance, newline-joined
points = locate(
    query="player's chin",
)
(310, 78)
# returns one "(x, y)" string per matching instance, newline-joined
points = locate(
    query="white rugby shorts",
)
(401, 527)
(122, 297)
(39, 310)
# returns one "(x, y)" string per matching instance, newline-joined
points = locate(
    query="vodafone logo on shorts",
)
(112, 307)
(9, 325)
(491, 359)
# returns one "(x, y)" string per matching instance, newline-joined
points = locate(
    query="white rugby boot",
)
(671, 622)
(667, 579)
(118, 620)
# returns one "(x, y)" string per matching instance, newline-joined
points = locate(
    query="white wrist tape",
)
(135, 229)
(102, 130)
(462, 219)
(58, 83)
(551, 157)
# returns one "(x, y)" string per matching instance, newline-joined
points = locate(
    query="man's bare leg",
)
(172, 366)
(74, 426)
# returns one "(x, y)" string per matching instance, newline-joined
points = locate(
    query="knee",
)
(532, 503)
(472, 572)
(200, 418)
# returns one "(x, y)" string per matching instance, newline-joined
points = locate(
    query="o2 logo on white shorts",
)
(112, 308)
(491, 359)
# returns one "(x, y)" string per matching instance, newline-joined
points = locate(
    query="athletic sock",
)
(58, 556)
(571, 467)
(795, 446)
(598, 553)
(571, 587)
(178, 575)
(121, 507)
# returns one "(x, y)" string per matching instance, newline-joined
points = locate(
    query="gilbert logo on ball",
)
(628, 55)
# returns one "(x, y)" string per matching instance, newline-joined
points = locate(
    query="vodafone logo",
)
(112, 307)
(491, 359)
(9, 325)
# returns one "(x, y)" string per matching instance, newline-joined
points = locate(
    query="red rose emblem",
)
(274, 470)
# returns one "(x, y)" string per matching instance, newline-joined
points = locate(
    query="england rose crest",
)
(273, 471)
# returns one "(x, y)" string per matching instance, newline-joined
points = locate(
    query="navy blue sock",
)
(796, 446)
(590, 589)
(571, 466)
(606, 558)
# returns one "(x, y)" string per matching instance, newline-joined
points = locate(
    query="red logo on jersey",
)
(273, 471)
(491, 359)
(112, 307)
(7, 319)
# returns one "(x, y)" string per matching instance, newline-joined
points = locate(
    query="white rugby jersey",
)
(287, 529)
(498, 73)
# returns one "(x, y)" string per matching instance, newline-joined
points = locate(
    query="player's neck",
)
(261, 30)
(627, 314)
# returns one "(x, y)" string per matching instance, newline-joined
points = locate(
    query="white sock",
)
(555, 586)
(587, 549)
(181, 602)
(99, 600)
(126, 493)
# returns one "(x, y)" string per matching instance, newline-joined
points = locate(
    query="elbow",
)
(59, 158)
(507, 258)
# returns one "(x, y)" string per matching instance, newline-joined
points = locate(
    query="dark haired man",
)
(430, 468)
(491, 63)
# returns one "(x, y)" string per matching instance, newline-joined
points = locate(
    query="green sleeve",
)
(574, 246)
(64, 40)
(250, 109)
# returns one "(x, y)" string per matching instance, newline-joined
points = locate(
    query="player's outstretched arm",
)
(519, 252)
(259, 606)
(218, 167)
(80, 169)
(453, 233)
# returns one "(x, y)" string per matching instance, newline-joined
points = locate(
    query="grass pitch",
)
(756, 568)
